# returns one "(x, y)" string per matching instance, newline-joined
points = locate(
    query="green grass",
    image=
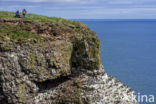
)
(20, 31)
(13, 32)
(38, 18)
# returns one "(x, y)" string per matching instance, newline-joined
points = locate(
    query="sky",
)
(85, 9)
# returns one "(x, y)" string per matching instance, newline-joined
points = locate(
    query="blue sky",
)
(85, 9)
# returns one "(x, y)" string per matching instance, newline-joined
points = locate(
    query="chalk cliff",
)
(54, 63)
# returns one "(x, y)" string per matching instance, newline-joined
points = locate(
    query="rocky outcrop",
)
(107, 90)
(61, 66)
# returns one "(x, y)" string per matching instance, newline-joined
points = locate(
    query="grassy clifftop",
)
(37, 18)
(37, 26)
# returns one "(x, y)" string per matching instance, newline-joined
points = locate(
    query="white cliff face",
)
(107, 90)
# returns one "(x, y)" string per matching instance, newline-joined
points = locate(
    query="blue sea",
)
(128, 52)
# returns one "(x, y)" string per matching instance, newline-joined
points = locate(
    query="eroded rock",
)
(63, 68)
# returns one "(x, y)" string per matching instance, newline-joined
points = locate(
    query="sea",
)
(128, 53)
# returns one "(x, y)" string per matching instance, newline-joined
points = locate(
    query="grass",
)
(20, 31)
(38, 18)
(13, 32)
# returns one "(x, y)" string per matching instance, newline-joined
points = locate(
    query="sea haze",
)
(128, 51)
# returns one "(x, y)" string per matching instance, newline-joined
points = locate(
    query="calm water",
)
(128, 52)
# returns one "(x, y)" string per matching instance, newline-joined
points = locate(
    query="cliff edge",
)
(45, 60)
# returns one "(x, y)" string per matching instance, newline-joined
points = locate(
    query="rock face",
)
(61, 66)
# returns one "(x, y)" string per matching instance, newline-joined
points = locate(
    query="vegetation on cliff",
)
(35, 24)
(42, 50)
(37, 18)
